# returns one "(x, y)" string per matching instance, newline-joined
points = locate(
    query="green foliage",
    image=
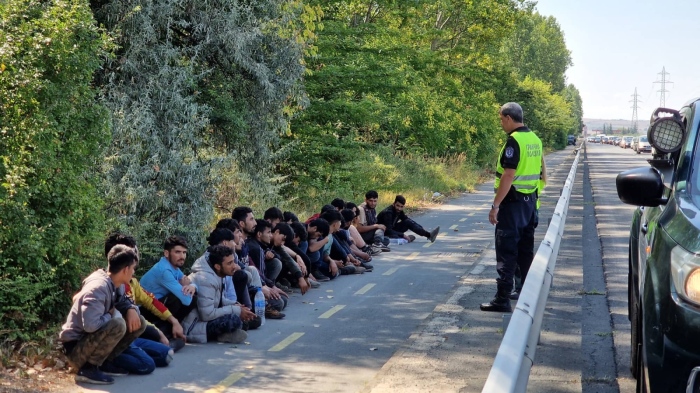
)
(537, 49)
(52, 133)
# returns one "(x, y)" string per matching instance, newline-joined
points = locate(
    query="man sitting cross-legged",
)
(397, 222)
(215, 317)
(94, 331)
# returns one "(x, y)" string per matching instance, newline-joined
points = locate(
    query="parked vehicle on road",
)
(664, 253)
(626, 142)
(571, 140)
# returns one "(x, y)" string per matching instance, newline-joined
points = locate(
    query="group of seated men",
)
(118, 325)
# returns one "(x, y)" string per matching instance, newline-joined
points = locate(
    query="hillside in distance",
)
(619, 126)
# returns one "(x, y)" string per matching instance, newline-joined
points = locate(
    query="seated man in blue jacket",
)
(397, 223)
(166, 281)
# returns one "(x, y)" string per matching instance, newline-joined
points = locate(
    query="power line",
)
(635, 106)
(663, 83)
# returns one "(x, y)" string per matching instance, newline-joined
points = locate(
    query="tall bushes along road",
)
(155, 118)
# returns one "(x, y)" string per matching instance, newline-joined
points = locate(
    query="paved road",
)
(414, 325)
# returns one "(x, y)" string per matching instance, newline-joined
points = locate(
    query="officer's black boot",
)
(500, 303)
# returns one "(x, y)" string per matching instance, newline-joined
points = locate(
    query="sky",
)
(619, 45)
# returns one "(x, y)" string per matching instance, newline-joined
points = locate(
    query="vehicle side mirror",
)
(641, 187)
(693, 381)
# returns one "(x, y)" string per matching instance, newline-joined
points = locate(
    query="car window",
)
(643, 139)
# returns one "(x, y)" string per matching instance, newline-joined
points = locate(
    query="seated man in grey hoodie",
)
(95, 330)
(215, 317)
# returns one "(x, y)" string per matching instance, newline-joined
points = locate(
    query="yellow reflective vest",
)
(527, 174)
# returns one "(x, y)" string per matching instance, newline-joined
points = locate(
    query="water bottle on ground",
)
(399, 241)
(260, 305)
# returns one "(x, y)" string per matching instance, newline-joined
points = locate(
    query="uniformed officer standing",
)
(513, 210)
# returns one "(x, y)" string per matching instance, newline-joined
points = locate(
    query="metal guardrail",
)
(516, 355)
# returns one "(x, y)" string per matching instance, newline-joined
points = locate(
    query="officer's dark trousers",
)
(515, 242)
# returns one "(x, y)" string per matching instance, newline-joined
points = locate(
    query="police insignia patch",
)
(509, 152)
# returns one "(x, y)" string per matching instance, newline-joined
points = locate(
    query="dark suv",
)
(664, 253)
(571, 140)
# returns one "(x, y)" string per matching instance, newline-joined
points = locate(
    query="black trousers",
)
(404, 225)
(515, 242)
(175, 307)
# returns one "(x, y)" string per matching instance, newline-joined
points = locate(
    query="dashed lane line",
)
(286, 342)
(471, 214)
(454, 226)
(365, 289)
(330, 312)
(463, 219)
(412, 256)
(225, 383)
(392, 270)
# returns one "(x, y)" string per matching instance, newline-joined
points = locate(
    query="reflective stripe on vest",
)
(527, 174)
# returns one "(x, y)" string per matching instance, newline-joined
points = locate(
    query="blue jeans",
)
(157, 351)
(135, 360)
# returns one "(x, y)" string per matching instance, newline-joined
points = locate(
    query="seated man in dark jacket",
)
(397, 223)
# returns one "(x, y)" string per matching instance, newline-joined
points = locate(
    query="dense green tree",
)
(52, 131)
(538, 49)
(193, 87)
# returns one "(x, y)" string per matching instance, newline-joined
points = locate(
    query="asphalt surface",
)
(413, 325)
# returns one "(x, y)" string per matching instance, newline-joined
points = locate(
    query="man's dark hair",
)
(371, 194)
(119, 257)
(174, 241)
(299, 231)
(332, 216)
(228, 223)
(284, 229)
(118, 238)
(351, 205)
(321, 226)
(348, 215)
(400, 199)
(328, 208)
(289, 216)
(217, 253)
(218, 235)
(260, 226)
(338, 203)
(241, 212)
(273, 213)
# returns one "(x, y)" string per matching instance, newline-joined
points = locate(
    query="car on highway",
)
(642, 145)
(596, 139)
(664, 253)
(571, 140)
(626, 142)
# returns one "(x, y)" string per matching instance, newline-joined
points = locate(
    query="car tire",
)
(641, 386)
(635, 342)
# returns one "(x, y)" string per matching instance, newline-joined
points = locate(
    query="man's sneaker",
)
(235, 337)
(375, 250)
(359, 270)
(271, 313)
(382, 247)
(433, 234)
(169, 356)
(176, 344)
(320, 277)
(313, 283)
(368, 266)
(346, 270)
(110, 369)
(90, 373)
(411, 238)
(252, 324)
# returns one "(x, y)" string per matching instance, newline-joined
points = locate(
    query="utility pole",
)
(663, 83)
(635, 105)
